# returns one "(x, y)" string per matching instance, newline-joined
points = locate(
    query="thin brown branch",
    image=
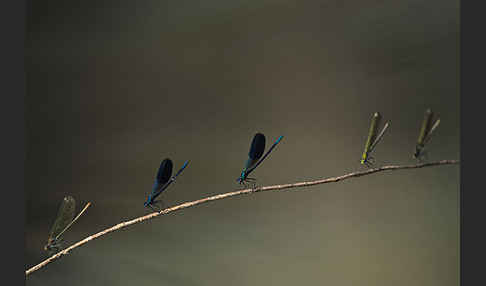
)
(232, 194)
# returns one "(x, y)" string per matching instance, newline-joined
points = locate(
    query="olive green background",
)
(115, 87)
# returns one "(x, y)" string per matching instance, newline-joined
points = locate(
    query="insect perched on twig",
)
(62, 223)
(425, 133)
(256, 151)
(373, 139)
(162, 181)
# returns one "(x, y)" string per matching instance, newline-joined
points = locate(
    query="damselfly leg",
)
(369, 162)
(424, 155)
(152, 207)
(252, 182)
(160, 204)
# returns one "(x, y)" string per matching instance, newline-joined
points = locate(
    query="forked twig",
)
(232, 194)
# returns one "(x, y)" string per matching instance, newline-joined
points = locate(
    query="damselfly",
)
(162, 181)
(65, 218)
(256, 151)
(425, 133)
(373, 139)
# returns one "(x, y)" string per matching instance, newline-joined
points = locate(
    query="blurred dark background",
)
(114, 87)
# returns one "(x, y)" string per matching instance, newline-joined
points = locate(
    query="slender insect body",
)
(373, 139)
(426, 130)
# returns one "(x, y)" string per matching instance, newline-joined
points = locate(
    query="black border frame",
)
(471, 84)
(12, 31)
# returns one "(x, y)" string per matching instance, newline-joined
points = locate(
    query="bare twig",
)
(232, 194)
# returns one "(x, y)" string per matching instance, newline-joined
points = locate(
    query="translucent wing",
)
(65, 216)
(378, 138)
(436, 124)
(375, 120)
(74, 220)
(425, 129)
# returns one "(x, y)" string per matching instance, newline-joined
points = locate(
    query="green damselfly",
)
(373, 139)
(428, 126)
(65, 218)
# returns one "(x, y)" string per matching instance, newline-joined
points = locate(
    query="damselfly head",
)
(421, 154)
(416, 154)
(147, 202)
(48, 246)
(241, 178)
(364, 158)
(52, 244)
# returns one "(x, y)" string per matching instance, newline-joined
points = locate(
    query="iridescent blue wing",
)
(170, 181)
(256, 150)
(163, 174)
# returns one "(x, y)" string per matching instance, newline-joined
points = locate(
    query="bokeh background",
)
(114, 87)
